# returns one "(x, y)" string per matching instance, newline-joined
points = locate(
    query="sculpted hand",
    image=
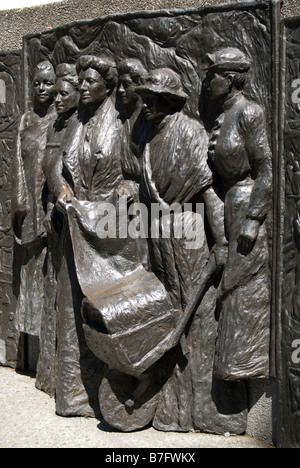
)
(248, 236)
(64, 199)
(48, 224)
(124, 191)
(297, 227)
(221, 253)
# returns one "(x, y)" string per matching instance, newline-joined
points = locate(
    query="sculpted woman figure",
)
(87, 170)
(240, 152)
(29, 199)
(135, 127)
(175, 172)
(135, 133)
(66, 98)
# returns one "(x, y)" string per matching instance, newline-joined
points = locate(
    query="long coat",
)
(176, 170)
(29, 204)
(91, 155)
(89, 164)
(241, 154)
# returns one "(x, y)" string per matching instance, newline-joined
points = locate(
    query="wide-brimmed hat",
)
(229, 59)
(163, 81)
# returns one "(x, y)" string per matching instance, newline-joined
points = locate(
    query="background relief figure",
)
(66, 97)
(30, 199)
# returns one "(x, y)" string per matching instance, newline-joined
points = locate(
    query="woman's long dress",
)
(46, 372)
(176, 171)
(241, 155)
(29, 204)
(90, 166)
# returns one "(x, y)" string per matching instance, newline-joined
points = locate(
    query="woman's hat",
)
(229, 59)
(163, 81)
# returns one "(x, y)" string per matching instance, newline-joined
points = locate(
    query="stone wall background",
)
(17, 23)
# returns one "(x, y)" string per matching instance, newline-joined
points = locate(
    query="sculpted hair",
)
(44, 66)
(67, 72)
(132, 67)
(104, 66)
(239, 79)
(41, 67)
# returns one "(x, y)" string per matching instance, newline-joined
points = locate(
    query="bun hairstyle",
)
(67, 72)
(104, 66)
(132, 67)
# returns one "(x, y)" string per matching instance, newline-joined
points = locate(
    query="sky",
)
(24, 3)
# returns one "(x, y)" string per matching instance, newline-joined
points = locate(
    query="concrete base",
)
(262, 397)
(262, 409)
(2, 352)
(28, 420)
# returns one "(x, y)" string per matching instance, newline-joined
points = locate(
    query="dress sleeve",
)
(53, 161)
(53, 167)
(192, 174)
(19, 200)
(253, 126)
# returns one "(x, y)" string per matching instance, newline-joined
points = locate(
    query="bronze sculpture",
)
(136, 131)
(10, 71)
(72, 176)
(288, 352)
(66, 100)
(181, 142)
(166, 330)
(29, 200)
(240, 151)
(131, 71)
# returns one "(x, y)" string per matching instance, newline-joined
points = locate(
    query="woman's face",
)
(43, 86)
(218, 86)
(66, 97)
(92, 87)
(127, 90)
(155, 107)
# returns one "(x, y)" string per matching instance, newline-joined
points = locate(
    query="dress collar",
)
(233, 100)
